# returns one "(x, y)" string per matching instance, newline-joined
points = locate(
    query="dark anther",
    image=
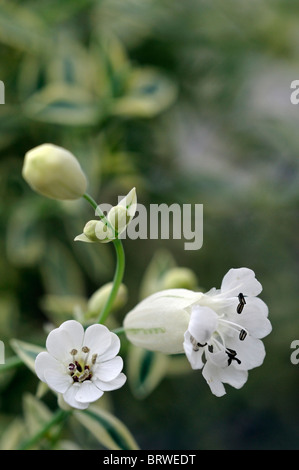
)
(79, 368)
(195, 344)
(210, 348)
(242, 335)
(232, 356)
(242, 302)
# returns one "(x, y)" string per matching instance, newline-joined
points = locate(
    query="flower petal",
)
(194, 357)
(108, 370)
(216, 376)
(52, 372)
(251, 352)
(203, 322)
(70, 397)
(253, 318)
(44, 361)
(112, 351)
(88, 392)
(240, 280)
(97, 338)
(114, 384)
(57, 380)
(62, 340)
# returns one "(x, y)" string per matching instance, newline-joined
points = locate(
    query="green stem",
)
(59, 416)
(118, 331)
(120, 265)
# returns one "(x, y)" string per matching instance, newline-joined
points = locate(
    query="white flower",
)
(81, 365)
(115, 224)
(54, 172)
(219, 331)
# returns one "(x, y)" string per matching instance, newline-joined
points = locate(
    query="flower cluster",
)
(220, 331)
(111, 227)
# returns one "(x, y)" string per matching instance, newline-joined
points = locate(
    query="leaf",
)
(36, 414)
(146, 369)
(161, 263)
(61, 274)
(59, 308)
(148, 94)
(25, 241)
(26, 351)
(107, 429)
(63, 104)
(13, 435)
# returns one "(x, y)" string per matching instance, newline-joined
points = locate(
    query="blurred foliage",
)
(190, 103)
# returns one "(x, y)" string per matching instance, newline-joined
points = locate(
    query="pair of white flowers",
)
(219, 331)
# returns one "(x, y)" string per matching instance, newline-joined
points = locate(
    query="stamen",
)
(72, 367)
(243, 332)
(242, 335)
(242, 302)
(232, 356)
(84, 376)
(94, 358)
(85, 349)
(74, 352)
(195, 344)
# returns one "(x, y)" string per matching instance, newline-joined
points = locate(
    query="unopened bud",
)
(100, 297)
(119, 218)
(177, 278)
(54, 172)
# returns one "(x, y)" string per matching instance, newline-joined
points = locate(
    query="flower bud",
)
(100, 297)
(96, 231)
(158, 323)
(180, 278)
(114, 224)
(54, 172)
(119, 218)
(90, 230)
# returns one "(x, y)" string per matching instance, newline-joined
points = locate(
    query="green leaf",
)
(36, 414)
(25, 242)
(152, 280)
(61, 273)
(63, 104)
(13, 435)
(107, 429)
(146, 369)
(26, 351)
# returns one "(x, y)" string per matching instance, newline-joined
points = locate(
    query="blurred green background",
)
(190, 103)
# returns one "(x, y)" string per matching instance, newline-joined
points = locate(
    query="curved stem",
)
(56, 418)
(120, 265)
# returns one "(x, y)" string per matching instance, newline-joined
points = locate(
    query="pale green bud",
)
(180, 278)
(54, 172)
(116, 222)
(129, 202)
(119, 218)
(96, 231)
(100, 297)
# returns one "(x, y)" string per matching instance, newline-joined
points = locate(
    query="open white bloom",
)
(115, 224)
(81, 365)
(219, 331)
